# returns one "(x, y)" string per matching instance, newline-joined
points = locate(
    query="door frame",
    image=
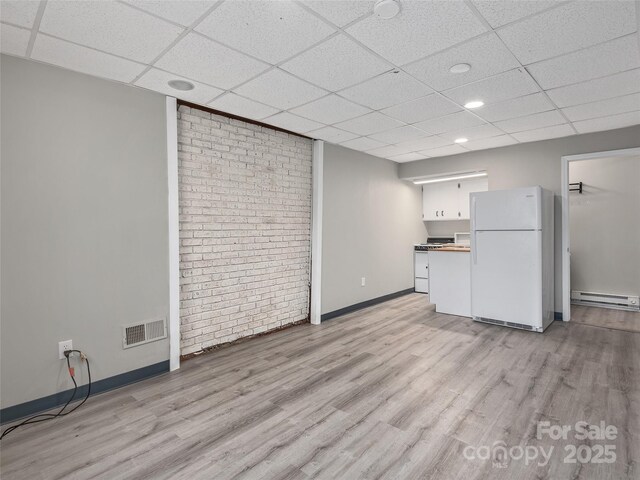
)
(566, 240)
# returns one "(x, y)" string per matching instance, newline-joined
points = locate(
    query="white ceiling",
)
(333, 70)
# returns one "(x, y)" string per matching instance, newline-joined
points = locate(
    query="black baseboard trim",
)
(365, 304)
(557, 315)
(16, 412)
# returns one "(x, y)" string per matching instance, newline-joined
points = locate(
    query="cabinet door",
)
(421, 265)
(449, 203)
(440, 201)
(431, 200)
(465, 188)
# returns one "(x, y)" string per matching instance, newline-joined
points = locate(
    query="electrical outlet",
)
(363, 282)
(63, 346)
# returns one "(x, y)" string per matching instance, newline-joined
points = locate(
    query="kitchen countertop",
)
(453, 249)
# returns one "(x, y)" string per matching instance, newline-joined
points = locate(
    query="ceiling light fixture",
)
(460, 68)
(455, 177)
(386, 8)
(474, 104)
(461, 140)
(181, 85)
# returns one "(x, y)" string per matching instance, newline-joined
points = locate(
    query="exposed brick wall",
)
(245, 228)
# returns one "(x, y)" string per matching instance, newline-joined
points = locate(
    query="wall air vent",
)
(141, 333)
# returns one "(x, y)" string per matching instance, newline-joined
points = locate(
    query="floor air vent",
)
(606, 300)
(142, 333)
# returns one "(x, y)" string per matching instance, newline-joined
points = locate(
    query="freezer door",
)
(517, 209)
(506, 282)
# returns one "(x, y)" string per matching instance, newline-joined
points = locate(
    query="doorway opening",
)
(600, 238)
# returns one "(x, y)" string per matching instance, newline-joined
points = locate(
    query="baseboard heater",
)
(605, 300)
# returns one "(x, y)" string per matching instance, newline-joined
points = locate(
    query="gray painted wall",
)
(371, 220)
(84, 225)
(605, 225)
(536, 163)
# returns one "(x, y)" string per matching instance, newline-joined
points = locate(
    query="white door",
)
(517, 209)
(506, 276)
(467, 187)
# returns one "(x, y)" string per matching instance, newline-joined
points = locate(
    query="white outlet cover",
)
(62, 346)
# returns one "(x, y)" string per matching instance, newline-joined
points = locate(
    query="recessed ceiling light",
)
(474, 104)
(386, 8)
(461, 140)
(182, 85)
(460, 68)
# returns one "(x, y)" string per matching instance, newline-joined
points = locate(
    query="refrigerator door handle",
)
(474, 249)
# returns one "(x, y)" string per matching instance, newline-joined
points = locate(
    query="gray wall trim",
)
(21, 410)
(365, 304)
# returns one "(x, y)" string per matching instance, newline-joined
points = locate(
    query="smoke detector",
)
(386, 8)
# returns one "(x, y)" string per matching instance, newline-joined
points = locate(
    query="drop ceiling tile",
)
(199, 58)
(598, 89)
(425, 143)
(487, 56)
(448, 123)
(423, 108)
(363, 144)
(370, 123)
(292, 122)
(511, 84)
(599, 61)
(86, 60)
(19, 12)
(387, 89)
(444, 151)
(157, 80)
(603, 108)
(270, 31)
(332, 134)
(237, 105)
(567, 28)
(14, 40)
(111, 27)
(420, 29)
(179, 11)
(492, 142)
(515, 107)
(330, 109)
(401, 134)
(341, 12)
(544, 133)
(407, 157)
(335, 64)
(501, 12)
(386, 152)
(280, 90)
(608, 123)
(531, 122)
(474, 133)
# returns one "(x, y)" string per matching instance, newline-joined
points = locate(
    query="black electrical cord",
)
(61, 413)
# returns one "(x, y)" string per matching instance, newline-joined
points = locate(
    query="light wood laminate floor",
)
(606, 318)
(395, 391)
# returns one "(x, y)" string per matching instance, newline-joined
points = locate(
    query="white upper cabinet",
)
(450, 200)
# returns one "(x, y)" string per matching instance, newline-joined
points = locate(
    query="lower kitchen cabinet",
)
(450, 282)
(421, 269)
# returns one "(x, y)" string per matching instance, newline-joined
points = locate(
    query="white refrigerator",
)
(512, 258)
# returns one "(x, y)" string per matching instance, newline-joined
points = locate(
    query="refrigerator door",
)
(517, 209)
(506, 274)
